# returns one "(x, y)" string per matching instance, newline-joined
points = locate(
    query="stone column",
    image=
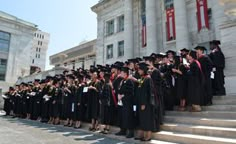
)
(181, 25)
(151, 24)
(128, 30)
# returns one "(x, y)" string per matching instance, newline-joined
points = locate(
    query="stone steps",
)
(220, 108)
(226, 101)
(216, 124)
(200, 130)
(185, 138)
(201, 121)
(224, 97)
(204, 114)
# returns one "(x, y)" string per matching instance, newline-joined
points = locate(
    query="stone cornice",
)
(103, 5)
(13, 19)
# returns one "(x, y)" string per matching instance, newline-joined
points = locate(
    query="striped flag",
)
(144, 31)
(202, 14)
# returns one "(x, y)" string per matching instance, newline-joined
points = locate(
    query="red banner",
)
(202, 14)
(144, 31)
(170, 17)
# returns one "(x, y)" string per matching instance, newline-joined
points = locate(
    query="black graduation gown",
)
(70, 107)
(79, 99)
(206, 65)
(25, 103)
(37, 103)
(146, 116)
(7, 103)
(51, 93)
(107, 105)
(45, 103)
(181, 83)
(168, 88)
(57, 98)
(218, 82)
(127, 89)
(159, 107)
(93, 100)
(195, 85)
(117, 113)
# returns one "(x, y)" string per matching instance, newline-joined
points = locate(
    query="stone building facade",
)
(134, 28)
(39, 50)
(81, 56)
(16, 38)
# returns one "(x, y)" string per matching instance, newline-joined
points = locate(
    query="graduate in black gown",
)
(180, 72)
(116, 80)
(195, 83)
(70, 91)
(45, 111)
(79, 101)
(57, 101)
(157, 84)
(206, 65)
(30, 100)
(107, 103)
(125, 101)
(94, 91)
(37, 99)
(8, 101)
(146, 104)
(25, 101)
(167, 83)
(218, 60)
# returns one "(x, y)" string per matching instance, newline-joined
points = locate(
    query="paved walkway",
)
(19, 131)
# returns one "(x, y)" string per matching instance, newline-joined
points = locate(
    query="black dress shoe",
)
(145, 140)
(138, 138)
(129, 135)
(121, 133)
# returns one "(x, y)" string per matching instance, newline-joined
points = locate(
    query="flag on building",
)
(144, 31)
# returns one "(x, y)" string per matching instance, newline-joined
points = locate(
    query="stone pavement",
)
(21, 131)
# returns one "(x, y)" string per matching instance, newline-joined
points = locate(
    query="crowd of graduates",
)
(132, 95)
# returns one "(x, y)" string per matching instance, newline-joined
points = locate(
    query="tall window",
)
(110, 27)
(110, 51)
(143, 7)
(169, 4)
(121, 48)
(4, 41)
(121, 20)
(209, 11)
(3, 67)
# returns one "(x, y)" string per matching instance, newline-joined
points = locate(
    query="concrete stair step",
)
(200, 130)
(220, 108)
(201, 121)
(224, 102)
(224, 97)
(204, 114)
(186, 138)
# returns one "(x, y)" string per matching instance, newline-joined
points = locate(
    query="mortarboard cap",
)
(184, 50)
(11, 88)
(125, 69)
(153, 55)
(143, 66)
(202, 48)
(149, 58)
(193, 54)
(216, 42)
(172, 52)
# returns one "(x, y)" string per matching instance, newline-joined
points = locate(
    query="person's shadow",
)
(78, 135)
